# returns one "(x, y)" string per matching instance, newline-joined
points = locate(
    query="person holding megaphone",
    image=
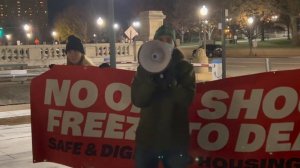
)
(163, 87)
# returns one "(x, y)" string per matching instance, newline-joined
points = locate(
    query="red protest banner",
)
(249, 121)
(83, 117)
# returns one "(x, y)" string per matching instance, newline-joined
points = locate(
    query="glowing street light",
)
(54, 34)
(250, 21)
(116, 26)
(274, 18)
(203, 11)
(29, 35)
(100, 21)
(27, 27)
(136, 24)
(8, 37)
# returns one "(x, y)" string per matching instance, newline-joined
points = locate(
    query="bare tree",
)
(72, 21)
(184, 17)
(290, 9)
(261, 10)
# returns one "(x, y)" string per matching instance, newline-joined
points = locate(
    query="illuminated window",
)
(18, 2)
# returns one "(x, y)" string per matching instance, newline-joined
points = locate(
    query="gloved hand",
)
(142, 73)
(166, 80)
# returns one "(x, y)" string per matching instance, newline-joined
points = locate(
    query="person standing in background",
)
(75, 52)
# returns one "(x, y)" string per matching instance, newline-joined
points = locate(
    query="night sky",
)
(123, 11)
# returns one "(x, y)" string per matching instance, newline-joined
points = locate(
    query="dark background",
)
(123, 8)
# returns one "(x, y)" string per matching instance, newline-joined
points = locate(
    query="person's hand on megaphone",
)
(163, 80)
(144, 74)
(166, 79)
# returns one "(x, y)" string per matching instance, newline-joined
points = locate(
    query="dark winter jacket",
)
(164, 105)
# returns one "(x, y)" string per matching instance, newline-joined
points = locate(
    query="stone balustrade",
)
(43, 55)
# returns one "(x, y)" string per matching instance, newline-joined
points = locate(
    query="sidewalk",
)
(263, 52)
(14, 107)
(15, 114)
(15, 139)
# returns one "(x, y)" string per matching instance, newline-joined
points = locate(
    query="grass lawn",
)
(278, 43)
(273, 43)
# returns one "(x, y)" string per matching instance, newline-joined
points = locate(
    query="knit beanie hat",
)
(165, 30)
(74, 43)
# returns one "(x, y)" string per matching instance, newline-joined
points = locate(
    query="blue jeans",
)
(148, 158)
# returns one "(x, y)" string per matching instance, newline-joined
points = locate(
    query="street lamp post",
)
(116, 29)
(182, 34)
(100, 23)
(112, 34)
(250, 21)
(203, 13)
(54, 35)
(8, 38)
(28, 32)
(95, 37)
(29, 36)
(224, 14)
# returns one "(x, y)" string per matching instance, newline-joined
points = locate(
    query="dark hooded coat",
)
(164, 104)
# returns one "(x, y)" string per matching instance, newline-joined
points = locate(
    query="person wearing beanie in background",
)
(163, 130)
(75, 52)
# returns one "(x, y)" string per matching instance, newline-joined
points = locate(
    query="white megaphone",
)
(155, 56)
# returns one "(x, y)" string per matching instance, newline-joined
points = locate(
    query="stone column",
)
(150, 22)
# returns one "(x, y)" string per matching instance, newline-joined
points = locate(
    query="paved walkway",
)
(15, 140)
